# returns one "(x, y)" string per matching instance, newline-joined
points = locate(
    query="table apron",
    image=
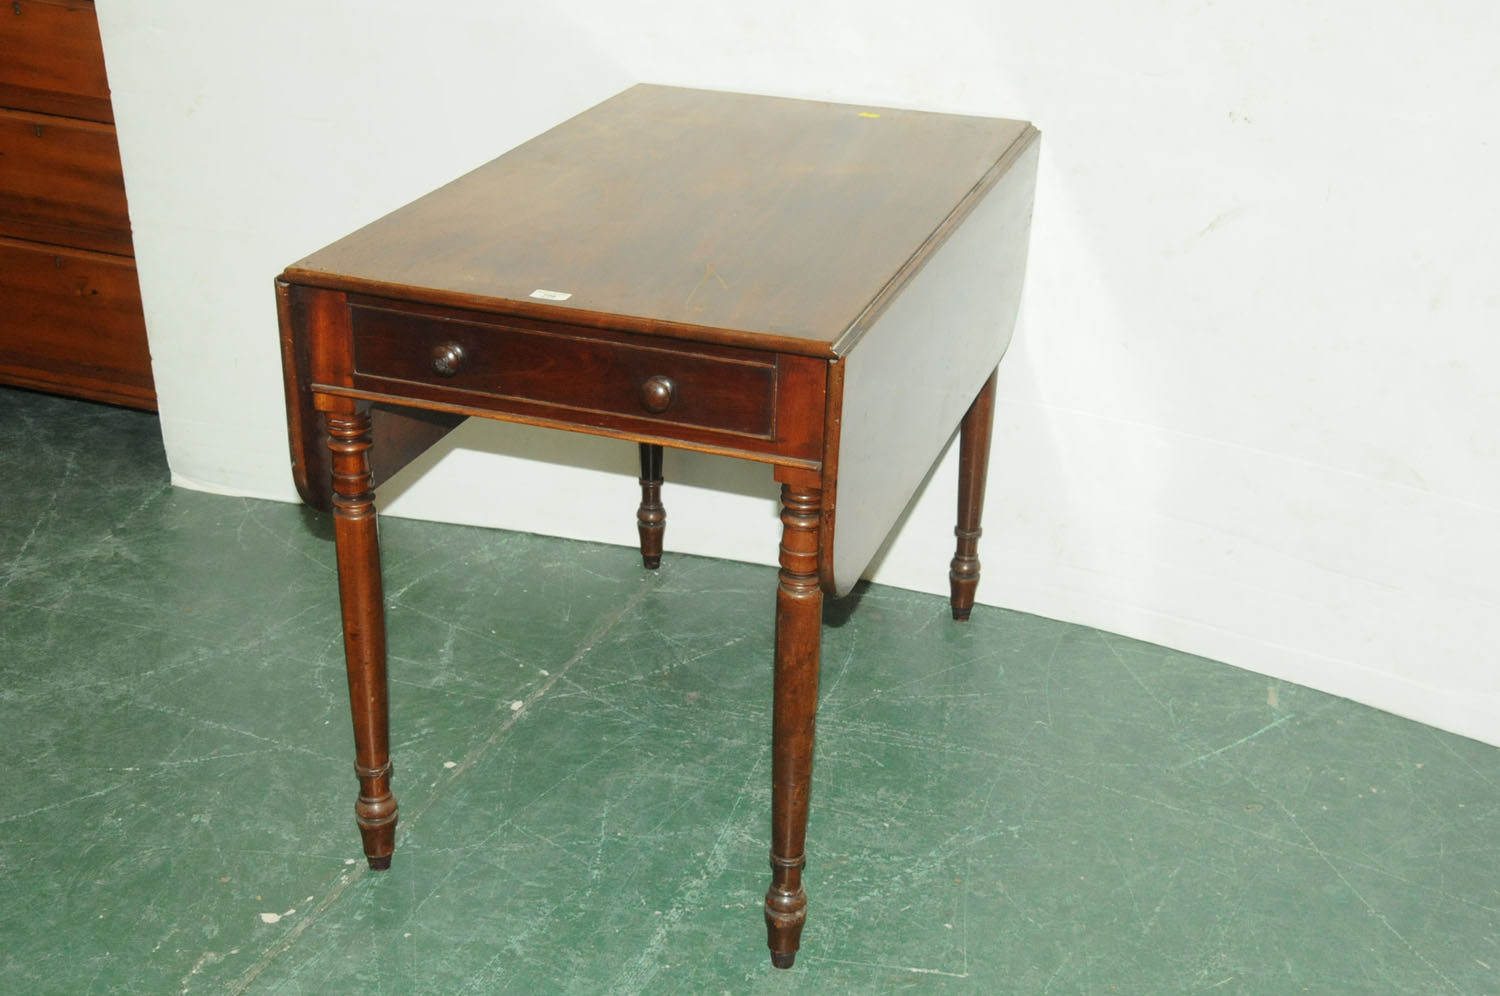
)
(542, 416)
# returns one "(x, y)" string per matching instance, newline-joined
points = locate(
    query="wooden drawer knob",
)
(447, 358)
(657, 394)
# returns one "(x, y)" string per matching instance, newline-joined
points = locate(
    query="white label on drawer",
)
(547, 295)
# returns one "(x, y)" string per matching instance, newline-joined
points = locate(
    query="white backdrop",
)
(1251, 408)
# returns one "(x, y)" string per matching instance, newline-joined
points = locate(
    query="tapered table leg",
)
(363, 602)
(973, 466)
(651, 517)
(799, 619)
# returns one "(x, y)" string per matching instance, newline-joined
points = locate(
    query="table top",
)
(730, 218)
(823, 287)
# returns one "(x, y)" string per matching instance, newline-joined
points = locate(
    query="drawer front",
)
(62, 183)
(596, 378)
(72, 323)
(51, 59)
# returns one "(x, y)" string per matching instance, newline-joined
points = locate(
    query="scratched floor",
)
(1012, 806)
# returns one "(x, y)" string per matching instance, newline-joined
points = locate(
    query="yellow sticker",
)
(867, 114)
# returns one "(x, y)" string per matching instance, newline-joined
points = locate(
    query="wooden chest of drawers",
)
(70, 308)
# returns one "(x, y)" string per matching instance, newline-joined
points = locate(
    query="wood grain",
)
(731, 391)
(973, 467)
(362, 602)
(51, 59)
(720, 217)
(799, 622)
(70, 321)
(651, 515)
(62, 182)
(405, 433)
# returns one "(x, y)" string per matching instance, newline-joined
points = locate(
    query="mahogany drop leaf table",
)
(820, 287)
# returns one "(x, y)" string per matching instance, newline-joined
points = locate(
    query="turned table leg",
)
(360, 595)
(799, 620)
(973, 465)
(651, 517)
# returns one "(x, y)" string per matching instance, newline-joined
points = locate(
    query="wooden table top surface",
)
(746, 220)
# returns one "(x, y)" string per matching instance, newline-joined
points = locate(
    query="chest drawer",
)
(62, 183)
(51, 59)
(72, 323)
(595, 378)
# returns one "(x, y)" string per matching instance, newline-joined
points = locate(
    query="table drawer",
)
(598, 378)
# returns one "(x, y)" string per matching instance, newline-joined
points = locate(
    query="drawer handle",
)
(657, 394)
(447, 358)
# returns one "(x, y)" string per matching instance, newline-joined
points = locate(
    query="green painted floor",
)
(1012, 806)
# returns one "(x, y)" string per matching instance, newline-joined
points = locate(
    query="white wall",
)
(1251, 410)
